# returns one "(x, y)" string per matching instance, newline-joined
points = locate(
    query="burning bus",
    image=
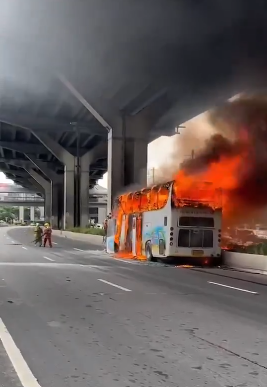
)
(168, 221)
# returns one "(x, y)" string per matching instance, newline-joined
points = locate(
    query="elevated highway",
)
(12, 195)
(86, 85)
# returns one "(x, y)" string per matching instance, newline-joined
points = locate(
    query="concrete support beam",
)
(19, 172)
(41, 213)
(76, 182)
(106, 119)
(56, 180)
(51, 175)
(24, 147)
(51, 191)
(45, 124)
(47, 186)
(32, 214)
(36, 185)
(30, 149)
(127, 157)
(21, 213)
(76, 201)
(84, 189)
(30, 183)
(43, 166)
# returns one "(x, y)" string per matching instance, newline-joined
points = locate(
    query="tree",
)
(9, 213)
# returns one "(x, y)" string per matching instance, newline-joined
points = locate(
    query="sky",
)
(161, 149)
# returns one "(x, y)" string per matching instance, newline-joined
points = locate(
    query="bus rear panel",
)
(195, 233)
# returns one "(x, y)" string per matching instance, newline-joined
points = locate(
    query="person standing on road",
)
(48, 235)
(38, 233)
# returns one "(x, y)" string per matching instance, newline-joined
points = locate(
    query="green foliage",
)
(258, 249)
(87, 230)
(9, 213)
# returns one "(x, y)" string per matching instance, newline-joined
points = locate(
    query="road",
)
(73, 316)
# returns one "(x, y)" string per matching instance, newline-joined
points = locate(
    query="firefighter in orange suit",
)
(47, 234)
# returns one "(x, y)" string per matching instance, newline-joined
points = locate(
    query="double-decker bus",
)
(165, 221)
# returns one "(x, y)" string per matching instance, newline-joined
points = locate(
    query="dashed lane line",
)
(49, 259)
(115, 285)
(75, 248)
(25, 248)
(232, 287)
(22, 369)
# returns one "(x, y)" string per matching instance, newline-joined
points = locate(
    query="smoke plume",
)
(235, 157)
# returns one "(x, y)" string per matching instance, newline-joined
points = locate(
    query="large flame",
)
(233, 161)
(235, 158)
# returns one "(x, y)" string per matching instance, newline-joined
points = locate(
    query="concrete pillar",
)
(72, 199)
(84, 189)
(32, 215)
(55, 201)
(41, 212)
(127, 157)
(102, 214)
(69, 195)
(56, 181)
(76, 201)
(47, 186)
(21, 213)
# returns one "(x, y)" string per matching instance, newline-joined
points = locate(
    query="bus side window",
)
(165, 220)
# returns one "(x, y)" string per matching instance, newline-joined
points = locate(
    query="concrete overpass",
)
(84, 86)
(13, 195)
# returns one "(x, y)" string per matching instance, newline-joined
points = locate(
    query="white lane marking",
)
(22, 369)
(116, 286)
(74, 248)
(55, 243)
(25, 248)
(49, 259)
(232, 287)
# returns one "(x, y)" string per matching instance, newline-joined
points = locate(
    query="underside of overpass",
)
(84, 86)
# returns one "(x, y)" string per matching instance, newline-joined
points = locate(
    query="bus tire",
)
(149, 255)
(116, 247)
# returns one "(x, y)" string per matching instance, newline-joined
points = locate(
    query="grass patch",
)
(87, 230)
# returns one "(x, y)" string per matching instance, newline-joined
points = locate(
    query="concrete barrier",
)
(94, 239)
(248, 262)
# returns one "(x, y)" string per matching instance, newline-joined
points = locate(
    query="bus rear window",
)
(195, 238)
(194, 221)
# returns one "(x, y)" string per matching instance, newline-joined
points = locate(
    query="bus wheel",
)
(149, 255)
(116, 248)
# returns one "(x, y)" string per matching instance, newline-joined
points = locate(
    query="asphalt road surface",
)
(73, 316)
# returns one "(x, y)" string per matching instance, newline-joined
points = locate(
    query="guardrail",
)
(250, 262)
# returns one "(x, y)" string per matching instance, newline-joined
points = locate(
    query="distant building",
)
(97, 199)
